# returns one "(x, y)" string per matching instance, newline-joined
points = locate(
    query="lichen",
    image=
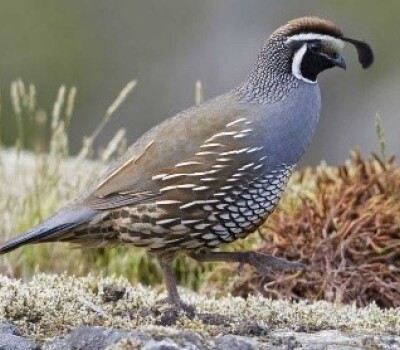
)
(52, 305)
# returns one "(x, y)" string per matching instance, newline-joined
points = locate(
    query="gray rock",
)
(96, 338)
(162, 345)
(101, 338)
(8, 328)
(234, 342)
(10, 339)
(187, 340)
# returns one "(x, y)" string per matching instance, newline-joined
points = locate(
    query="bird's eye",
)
(315, 47)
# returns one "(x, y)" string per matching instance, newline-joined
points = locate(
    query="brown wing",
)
(184, 142)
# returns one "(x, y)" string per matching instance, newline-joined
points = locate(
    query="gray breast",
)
(285, 127)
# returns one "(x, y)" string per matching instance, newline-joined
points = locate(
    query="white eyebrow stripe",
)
(314, 36)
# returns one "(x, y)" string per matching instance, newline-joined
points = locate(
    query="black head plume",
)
(364, 51)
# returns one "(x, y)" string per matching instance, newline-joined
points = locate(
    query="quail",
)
(213, 173)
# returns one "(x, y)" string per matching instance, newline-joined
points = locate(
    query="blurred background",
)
(99, 45)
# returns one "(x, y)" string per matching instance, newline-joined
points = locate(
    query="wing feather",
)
(187, 140)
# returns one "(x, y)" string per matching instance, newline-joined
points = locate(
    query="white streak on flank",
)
(188, 222)
(158, 176)
(208, 179)
(238, 175)
(221, 134)
(243, 133)
(220, 166)
(212, 145)
(201, 188)
(172, 176)
(219, 194)
(296, 65)
(190, 204)
(169, 188)
(236, 151)
(224, 188)
(258, 166)
(255, 149)
(205, 153)
(244, 167)
(235, 122)
(338, 43)
(167, 202)
(224, 159)
(263, 158)
(166, 221)
(202, 173)
(240, 136)
(188, 163)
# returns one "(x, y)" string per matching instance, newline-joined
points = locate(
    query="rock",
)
(97, 338)
(10, 339)
(8, 328)
(233, 342)
(166, 338)
(162, 345)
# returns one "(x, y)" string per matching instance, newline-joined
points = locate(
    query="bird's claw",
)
(175, 304)
(264, 263)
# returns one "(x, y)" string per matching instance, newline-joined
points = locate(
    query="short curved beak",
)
(338, 61)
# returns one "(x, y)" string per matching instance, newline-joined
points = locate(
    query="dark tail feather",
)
(61, 222)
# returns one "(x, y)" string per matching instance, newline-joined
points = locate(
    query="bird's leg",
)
(262, 262)
(170, 281)
(170, 314)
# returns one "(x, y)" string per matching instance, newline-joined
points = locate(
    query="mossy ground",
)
(51, 305)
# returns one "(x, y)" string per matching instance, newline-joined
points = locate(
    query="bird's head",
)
(313, 45)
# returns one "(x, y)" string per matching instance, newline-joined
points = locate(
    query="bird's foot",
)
(168, 311)
(264, 263)
(177, 304)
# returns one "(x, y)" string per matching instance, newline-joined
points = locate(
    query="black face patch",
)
(314, 61)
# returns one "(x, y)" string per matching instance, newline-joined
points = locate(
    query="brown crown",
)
(310, 25)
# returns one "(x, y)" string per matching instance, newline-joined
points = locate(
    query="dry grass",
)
(343, 223)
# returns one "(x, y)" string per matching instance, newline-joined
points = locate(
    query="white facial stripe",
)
(296, 65)
(337, 43)
(327, 40)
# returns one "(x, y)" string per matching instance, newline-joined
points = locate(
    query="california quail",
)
(213, 173)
